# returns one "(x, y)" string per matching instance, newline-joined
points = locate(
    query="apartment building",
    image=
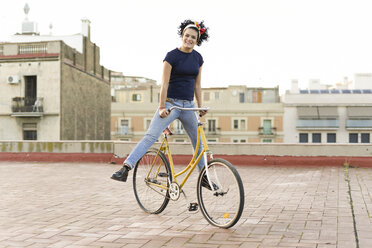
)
(53, 87)
(237, 113)
(328, 115)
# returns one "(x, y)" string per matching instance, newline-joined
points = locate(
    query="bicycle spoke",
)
(221, 207)
(150, 189)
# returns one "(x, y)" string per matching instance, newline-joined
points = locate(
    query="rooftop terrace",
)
(77, 205)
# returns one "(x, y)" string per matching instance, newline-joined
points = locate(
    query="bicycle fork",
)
(207, 169)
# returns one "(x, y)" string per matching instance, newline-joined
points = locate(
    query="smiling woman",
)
(181, 83)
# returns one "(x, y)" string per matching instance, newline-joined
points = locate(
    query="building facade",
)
(328, 116)
(51, 91)
(237, 114)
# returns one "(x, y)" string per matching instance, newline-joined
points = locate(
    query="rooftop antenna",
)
(50, 29)
(26, 9)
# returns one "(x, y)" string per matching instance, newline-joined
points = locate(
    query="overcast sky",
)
(258, 43)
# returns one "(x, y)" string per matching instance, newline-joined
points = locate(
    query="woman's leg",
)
(190, 123)
(157, 126)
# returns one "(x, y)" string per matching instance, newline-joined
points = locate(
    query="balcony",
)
(212, 131)
(317, 124)
(123, 131)
(27, 107)
(361, 124)
(267, 132)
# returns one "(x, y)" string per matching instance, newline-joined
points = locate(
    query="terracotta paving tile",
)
(77, 205)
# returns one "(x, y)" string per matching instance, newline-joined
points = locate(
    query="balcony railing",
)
(123, 131)
(271, 131)
(212, 131)
(27, 106)
(32, 49)
(359, 124)
(317, 124)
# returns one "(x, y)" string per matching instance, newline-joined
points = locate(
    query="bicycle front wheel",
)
(150, 182)
(222, 201)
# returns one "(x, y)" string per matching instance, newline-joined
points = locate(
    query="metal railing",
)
(123, 131)
(267, 131)
(212, 131)
(27, 104)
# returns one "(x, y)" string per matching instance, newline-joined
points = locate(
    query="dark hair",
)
(203, 37)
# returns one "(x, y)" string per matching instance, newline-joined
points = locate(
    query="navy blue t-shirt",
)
(185, 68)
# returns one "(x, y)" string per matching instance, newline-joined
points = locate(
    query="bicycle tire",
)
(222, 207)
(150, 198)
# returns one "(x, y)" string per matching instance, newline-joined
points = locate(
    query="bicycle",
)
(220, 191)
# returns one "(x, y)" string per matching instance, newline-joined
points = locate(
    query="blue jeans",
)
(158, 124)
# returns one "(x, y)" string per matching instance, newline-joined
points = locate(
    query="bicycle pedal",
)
(163, 174)
(193, 207)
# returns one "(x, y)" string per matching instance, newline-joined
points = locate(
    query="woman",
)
(181, 81)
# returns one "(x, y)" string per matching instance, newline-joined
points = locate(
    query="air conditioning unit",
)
(12, 79)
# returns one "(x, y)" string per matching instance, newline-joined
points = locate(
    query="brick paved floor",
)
(77, 205)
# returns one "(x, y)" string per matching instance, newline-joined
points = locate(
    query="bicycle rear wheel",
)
(150, 182)
(223, 206)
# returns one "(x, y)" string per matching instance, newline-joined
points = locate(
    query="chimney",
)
(85, 28)
(294, 86)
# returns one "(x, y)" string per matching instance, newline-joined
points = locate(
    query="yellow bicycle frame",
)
(164, 147)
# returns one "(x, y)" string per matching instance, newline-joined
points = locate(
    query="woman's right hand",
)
(163, 112)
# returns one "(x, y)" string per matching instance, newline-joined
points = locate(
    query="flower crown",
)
(197, 26)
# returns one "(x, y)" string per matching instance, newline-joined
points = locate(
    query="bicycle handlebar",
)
(189, 109)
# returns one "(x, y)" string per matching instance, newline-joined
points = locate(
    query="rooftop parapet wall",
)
(57, 146)
(238, 154)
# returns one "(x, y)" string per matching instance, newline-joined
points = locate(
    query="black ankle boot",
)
(122, 174)
(205, 183)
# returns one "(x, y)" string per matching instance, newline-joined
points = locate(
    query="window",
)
(331, 138)
(267, 140)
(353, 138)
(29, 131)
(243, 141)
(236, 124)
(179, 140)
(267, 127)
(235, 141)
(30, 92)
(239, 124)
(364, 137)
(216, 95)
(124, 122)
(147, 123)
(136, 97)
(206, 96)
(242, 124)
(317, 138)
(124, 126)
(241, 97)
(304, 138)
(211, 125)
(212, 140)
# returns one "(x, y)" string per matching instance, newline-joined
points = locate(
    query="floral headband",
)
(197, 26)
